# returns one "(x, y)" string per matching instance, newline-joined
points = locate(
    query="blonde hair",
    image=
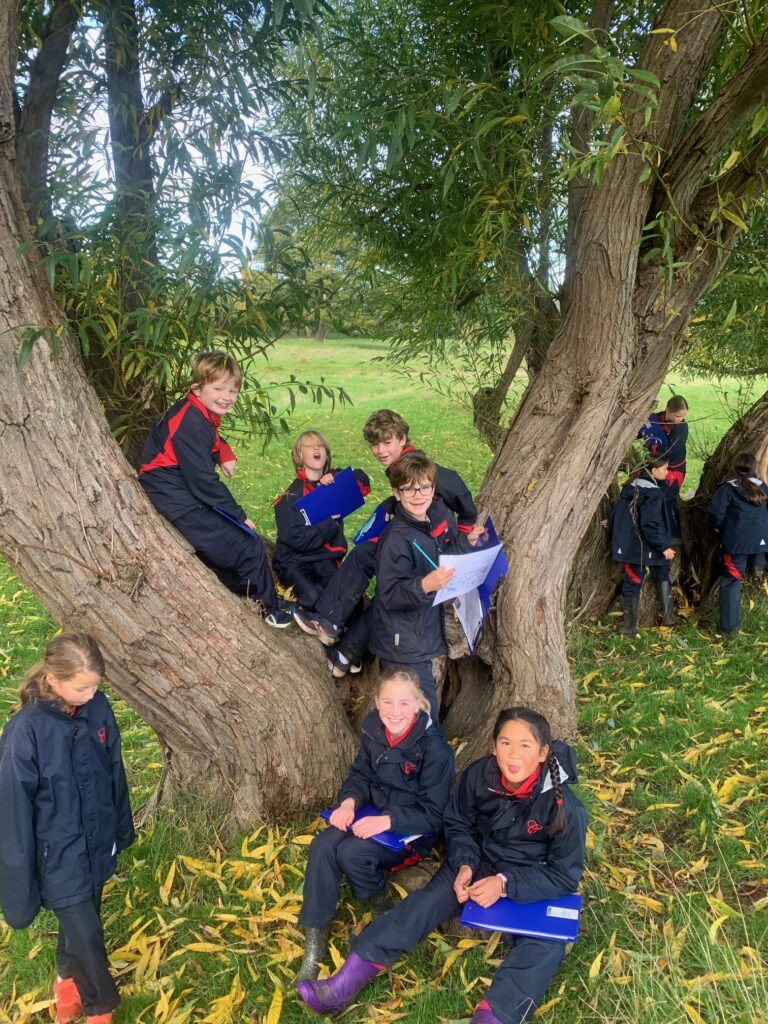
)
(210, 366)
(394, 672)
(65, 656)
(301, 440)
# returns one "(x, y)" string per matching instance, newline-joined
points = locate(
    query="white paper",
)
(470, 614)
(471, 570)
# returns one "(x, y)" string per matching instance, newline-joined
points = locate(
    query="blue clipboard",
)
(373, 527)
(337, 499)
(241, 526)
(557, 920)
(392, 840)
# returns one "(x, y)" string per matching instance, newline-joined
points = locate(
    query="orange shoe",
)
(100, 1018)
(69, 1006)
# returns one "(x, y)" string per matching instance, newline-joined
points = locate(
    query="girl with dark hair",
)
(641, 537)
(512, 828)
(739, 516)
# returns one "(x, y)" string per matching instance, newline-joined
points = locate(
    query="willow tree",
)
(244, 713)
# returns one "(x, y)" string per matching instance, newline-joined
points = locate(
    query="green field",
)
(673, 733)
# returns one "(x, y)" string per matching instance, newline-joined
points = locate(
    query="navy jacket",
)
(492, 831)
(411, 781)
(405, 626)
(64, 807)
(178, 463)
(742, 526)
(450, 489)
(662, 438)
(639, 523)
(297, 542)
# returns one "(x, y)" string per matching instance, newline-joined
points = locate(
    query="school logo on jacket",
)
(409, 768)
(533, 827)
(102, 734)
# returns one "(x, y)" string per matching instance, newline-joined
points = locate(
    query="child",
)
(406, 627)
(405, 768)
(306, 557)
(386, 432)
(739, 516)
(511, 829)
(641, 537)
(178, 473)
(666, 433)
(64, 816)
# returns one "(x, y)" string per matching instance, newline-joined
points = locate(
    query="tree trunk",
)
(748, 434)
(594, 577)
(240, 712)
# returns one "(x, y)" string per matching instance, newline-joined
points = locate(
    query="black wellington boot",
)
(315, 948)
(631, 606)
(667, 604)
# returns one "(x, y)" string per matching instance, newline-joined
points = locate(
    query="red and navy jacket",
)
(450, 489)
(491, 830)
(64, 807)
(741, 526)
(670, 439)
(405, 625)
(178, 463)
(298, 542)
(639, 523)
(410, 780)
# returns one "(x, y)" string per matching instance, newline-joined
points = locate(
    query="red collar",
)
(408, 448)
(394, 740)
(210, 416)
(525, 788)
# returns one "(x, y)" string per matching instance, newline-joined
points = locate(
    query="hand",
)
(669, 554)
(461, 883)
(344, 815)
(367, 827)
(326, 478)
(476, 534)
(487, 891)
(436, 579)
(249, 524)
(228, 468)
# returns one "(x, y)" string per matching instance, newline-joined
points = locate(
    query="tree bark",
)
(240, 712)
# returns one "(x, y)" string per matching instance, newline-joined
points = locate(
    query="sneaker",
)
(325, 631)
(340, 665)
(278, 619)
(69, 1006)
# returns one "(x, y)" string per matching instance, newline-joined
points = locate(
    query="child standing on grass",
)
(178, 472)
(511, 829)
(641, 537)
(64, 817)
(404, 768)
(739, 516)
(307, 557)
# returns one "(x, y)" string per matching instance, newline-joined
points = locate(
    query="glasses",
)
(411, 492)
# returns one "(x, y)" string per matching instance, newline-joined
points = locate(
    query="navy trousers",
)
(425, 671)
(82, 956)
(333, 854)
(519, 983)
(223, 546)
(734, 567)
(348, 585)
(308, 579)
(634, 575)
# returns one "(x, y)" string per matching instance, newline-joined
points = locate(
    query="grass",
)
(202, 924)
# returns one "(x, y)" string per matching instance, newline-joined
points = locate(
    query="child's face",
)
(518, 752)
(397, 706)
(660, 472)
(313, 455)
(218, 395)
(389, 451)
(77, 690)
(415, 497)
(675, 417)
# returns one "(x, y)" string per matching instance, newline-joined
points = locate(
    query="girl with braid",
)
(512, 828)
(739, 515)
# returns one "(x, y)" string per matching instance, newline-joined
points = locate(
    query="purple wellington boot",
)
(336, 993)
(484, 1014)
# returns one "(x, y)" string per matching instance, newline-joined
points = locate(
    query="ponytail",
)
(745, 467)
(559, 822)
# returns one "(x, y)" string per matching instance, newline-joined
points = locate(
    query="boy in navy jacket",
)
(406, 627)
(178, 472)
(308, 556)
